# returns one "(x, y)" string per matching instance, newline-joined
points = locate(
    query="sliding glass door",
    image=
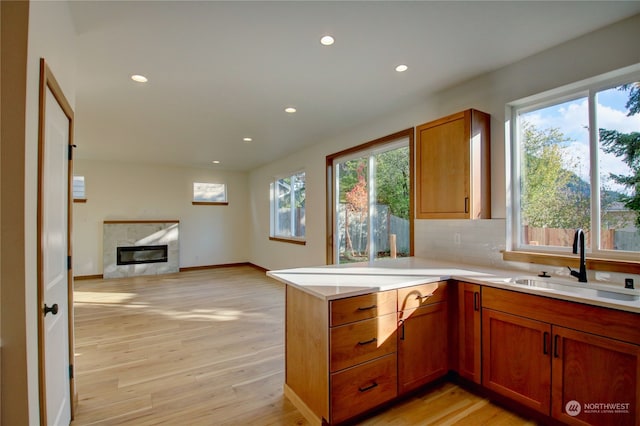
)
(372, 202)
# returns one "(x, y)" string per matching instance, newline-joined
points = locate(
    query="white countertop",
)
(339, 281)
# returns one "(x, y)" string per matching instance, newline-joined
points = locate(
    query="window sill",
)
(288, 240)
(79, 200)
(593, 263)
(210, 203)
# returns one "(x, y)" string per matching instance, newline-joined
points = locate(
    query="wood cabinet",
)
(453, 167)
(577, 363)
(600, 374)
(516, 358)
(469, 327)
(422, 335)
(340, 355)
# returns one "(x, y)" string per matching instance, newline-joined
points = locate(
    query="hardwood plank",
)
(206, 347)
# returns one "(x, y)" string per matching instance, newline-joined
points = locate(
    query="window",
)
(79, 195)
(209, 193)
(288, 208)
(576, 164)
(371, 200)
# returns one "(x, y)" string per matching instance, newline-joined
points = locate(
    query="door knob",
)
(53, 309)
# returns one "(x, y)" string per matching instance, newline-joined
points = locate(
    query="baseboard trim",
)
(88, 277)
(222, 265)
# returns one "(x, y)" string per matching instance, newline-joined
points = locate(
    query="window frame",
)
(355, 152)
(597, 259)
(197, 202)
(83, 198)
(273, 206)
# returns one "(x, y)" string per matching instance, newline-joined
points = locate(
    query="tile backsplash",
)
(480, 242)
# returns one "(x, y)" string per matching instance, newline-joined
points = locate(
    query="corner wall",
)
(209, 234)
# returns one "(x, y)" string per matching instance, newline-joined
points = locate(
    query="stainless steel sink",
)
(589, 290)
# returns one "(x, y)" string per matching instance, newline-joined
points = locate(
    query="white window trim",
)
(199, 201)
(586, 88)
(273, 206)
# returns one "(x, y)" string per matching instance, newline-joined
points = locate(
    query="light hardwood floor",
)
(207, 348)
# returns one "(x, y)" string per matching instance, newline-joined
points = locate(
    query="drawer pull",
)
(366, 388)
(367, 342)
(366, 308)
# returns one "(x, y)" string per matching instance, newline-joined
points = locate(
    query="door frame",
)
(48, 81)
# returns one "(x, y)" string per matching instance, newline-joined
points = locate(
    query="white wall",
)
(51, 36)
(593, 54)
(209, 235)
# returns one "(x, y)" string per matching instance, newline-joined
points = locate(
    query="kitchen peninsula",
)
(361, 335)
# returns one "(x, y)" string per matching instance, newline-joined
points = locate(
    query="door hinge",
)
(71, 151)
(70, 371)
(68, 263)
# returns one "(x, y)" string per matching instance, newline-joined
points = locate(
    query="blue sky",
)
(572, 119)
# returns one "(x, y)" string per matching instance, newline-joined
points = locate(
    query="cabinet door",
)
(422, 346)
(516, 358)
(595, 379)
(469, 332)
(443, 168)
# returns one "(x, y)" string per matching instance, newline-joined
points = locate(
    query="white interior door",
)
(54, 269)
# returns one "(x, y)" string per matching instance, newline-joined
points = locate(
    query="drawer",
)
(358, 389)
(351, 309)
(420, 295)
(361, 341)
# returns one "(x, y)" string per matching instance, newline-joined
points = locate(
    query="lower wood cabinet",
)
(469, 328)
(365, 386)
(516, 358)
(595, 380)
(573, 375)
(423, 349)
(578, 363)
(422, 346)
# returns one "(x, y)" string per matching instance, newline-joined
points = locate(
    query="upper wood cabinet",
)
(453, 168)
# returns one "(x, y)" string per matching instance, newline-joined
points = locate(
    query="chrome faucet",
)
(578, 242)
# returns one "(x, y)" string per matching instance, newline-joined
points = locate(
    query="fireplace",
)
(134, 255)
(140, 247)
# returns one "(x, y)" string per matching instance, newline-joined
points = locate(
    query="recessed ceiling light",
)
(327, 40)
(402, 68)
(139, 78)
(247, 139)
(290, 110)
(216, 162)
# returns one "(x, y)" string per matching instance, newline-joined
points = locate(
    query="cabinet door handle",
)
(466, 204)
(367, 342)
(476, 301)
(426, 296)
(545, 343)
(401, 329)
(366, 388)
(366, 308)
(556, 344)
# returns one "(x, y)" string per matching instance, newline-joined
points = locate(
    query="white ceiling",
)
(222, 71)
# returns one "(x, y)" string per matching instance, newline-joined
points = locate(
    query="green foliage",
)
(392, 179)
(627, 146)
(552, 196)
(392, 182)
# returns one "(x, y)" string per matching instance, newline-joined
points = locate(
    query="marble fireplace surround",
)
(126, 233)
